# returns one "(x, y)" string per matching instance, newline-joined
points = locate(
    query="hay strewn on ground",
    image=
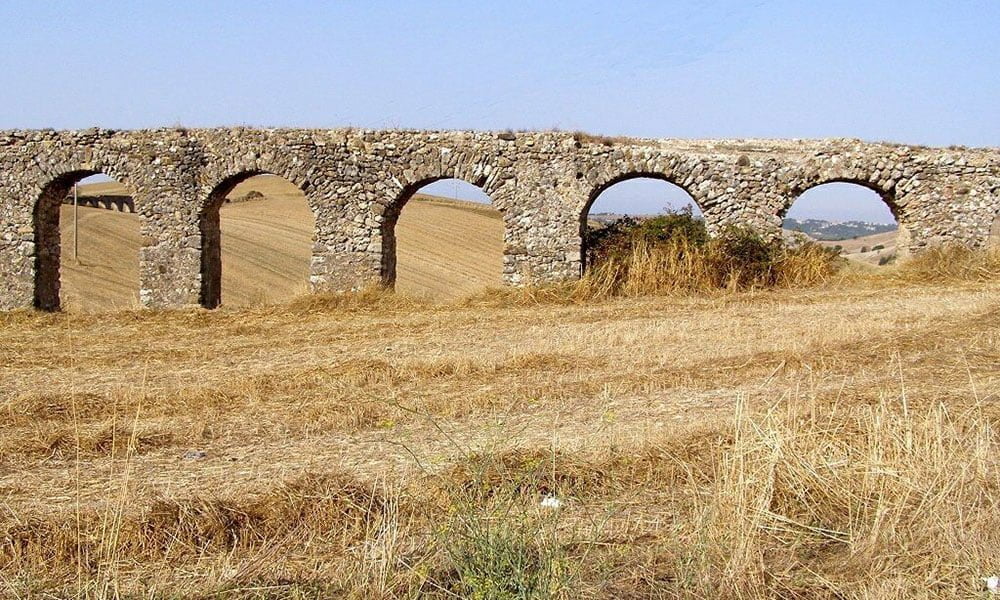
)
(831, 441)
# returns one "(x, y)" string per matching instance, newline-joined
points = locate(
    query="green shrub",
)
(744, 259)
(504, 552)
(499, 541)
(621, 237)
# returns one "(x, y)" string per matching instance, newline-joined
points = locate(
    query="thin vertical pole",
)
(76, 226)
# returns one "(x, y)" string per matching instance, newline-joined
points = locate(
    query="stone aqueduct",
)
(356, 182)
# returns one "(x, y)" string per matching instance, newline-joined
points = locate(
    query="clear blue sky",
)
(915, 72)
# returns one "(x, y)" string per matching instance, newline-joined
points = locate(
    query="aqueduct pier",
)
(356, 182)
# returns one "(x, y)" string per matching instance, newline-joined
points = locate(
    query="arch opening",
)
(851, 217)
(636, 196)
(442, 240)
(257, 234)
(87, 244)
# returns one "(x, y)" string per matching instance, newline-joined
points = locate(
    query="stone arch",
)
(886, 194)
(880, 173)
(392, 210)
(210, 229)
(491, 173)
(601, 187)
(46, 228)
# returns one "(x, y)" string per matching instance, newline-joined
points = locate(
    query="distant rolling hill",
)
(860, 241)
(446, 249)
(872, 249)
(820, 229)
(817, 229)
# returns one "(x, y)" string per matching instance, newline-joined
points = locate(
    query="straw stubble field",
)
(835, 441)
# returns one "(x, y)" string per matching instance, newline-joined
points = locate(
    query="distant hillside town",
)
(820, 229)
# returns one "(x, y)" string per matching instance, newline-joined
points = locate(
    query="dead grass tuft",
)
(582, 137)
(950, 264)
(532, 472)
(680, 266)
(332, 511)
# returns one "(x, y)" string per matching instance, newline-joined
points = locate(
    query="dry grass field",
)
(266, 245)
(838, 440)
(852, 248)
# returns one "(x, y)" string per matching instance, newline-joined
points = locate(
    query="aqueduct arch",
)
(393, 210)
(599, 189)
(542, 183)
(884, 191)
(887, 196)
(46, 221)
(211, 232)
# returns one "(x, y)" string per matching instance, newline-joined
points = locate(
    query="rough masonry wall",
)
(356, 182)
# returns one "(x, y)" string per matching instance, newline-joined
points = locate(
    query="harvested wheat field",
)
(447, 249)
(868, 249)
(833, 441)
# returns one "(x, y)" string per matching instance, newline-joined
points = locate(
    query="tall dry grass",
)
(827, 501)
(681, 266)
(950, 263)
(861, 502)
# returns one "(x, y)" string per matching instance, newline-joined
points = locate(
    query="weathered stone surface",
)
(356, 182)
